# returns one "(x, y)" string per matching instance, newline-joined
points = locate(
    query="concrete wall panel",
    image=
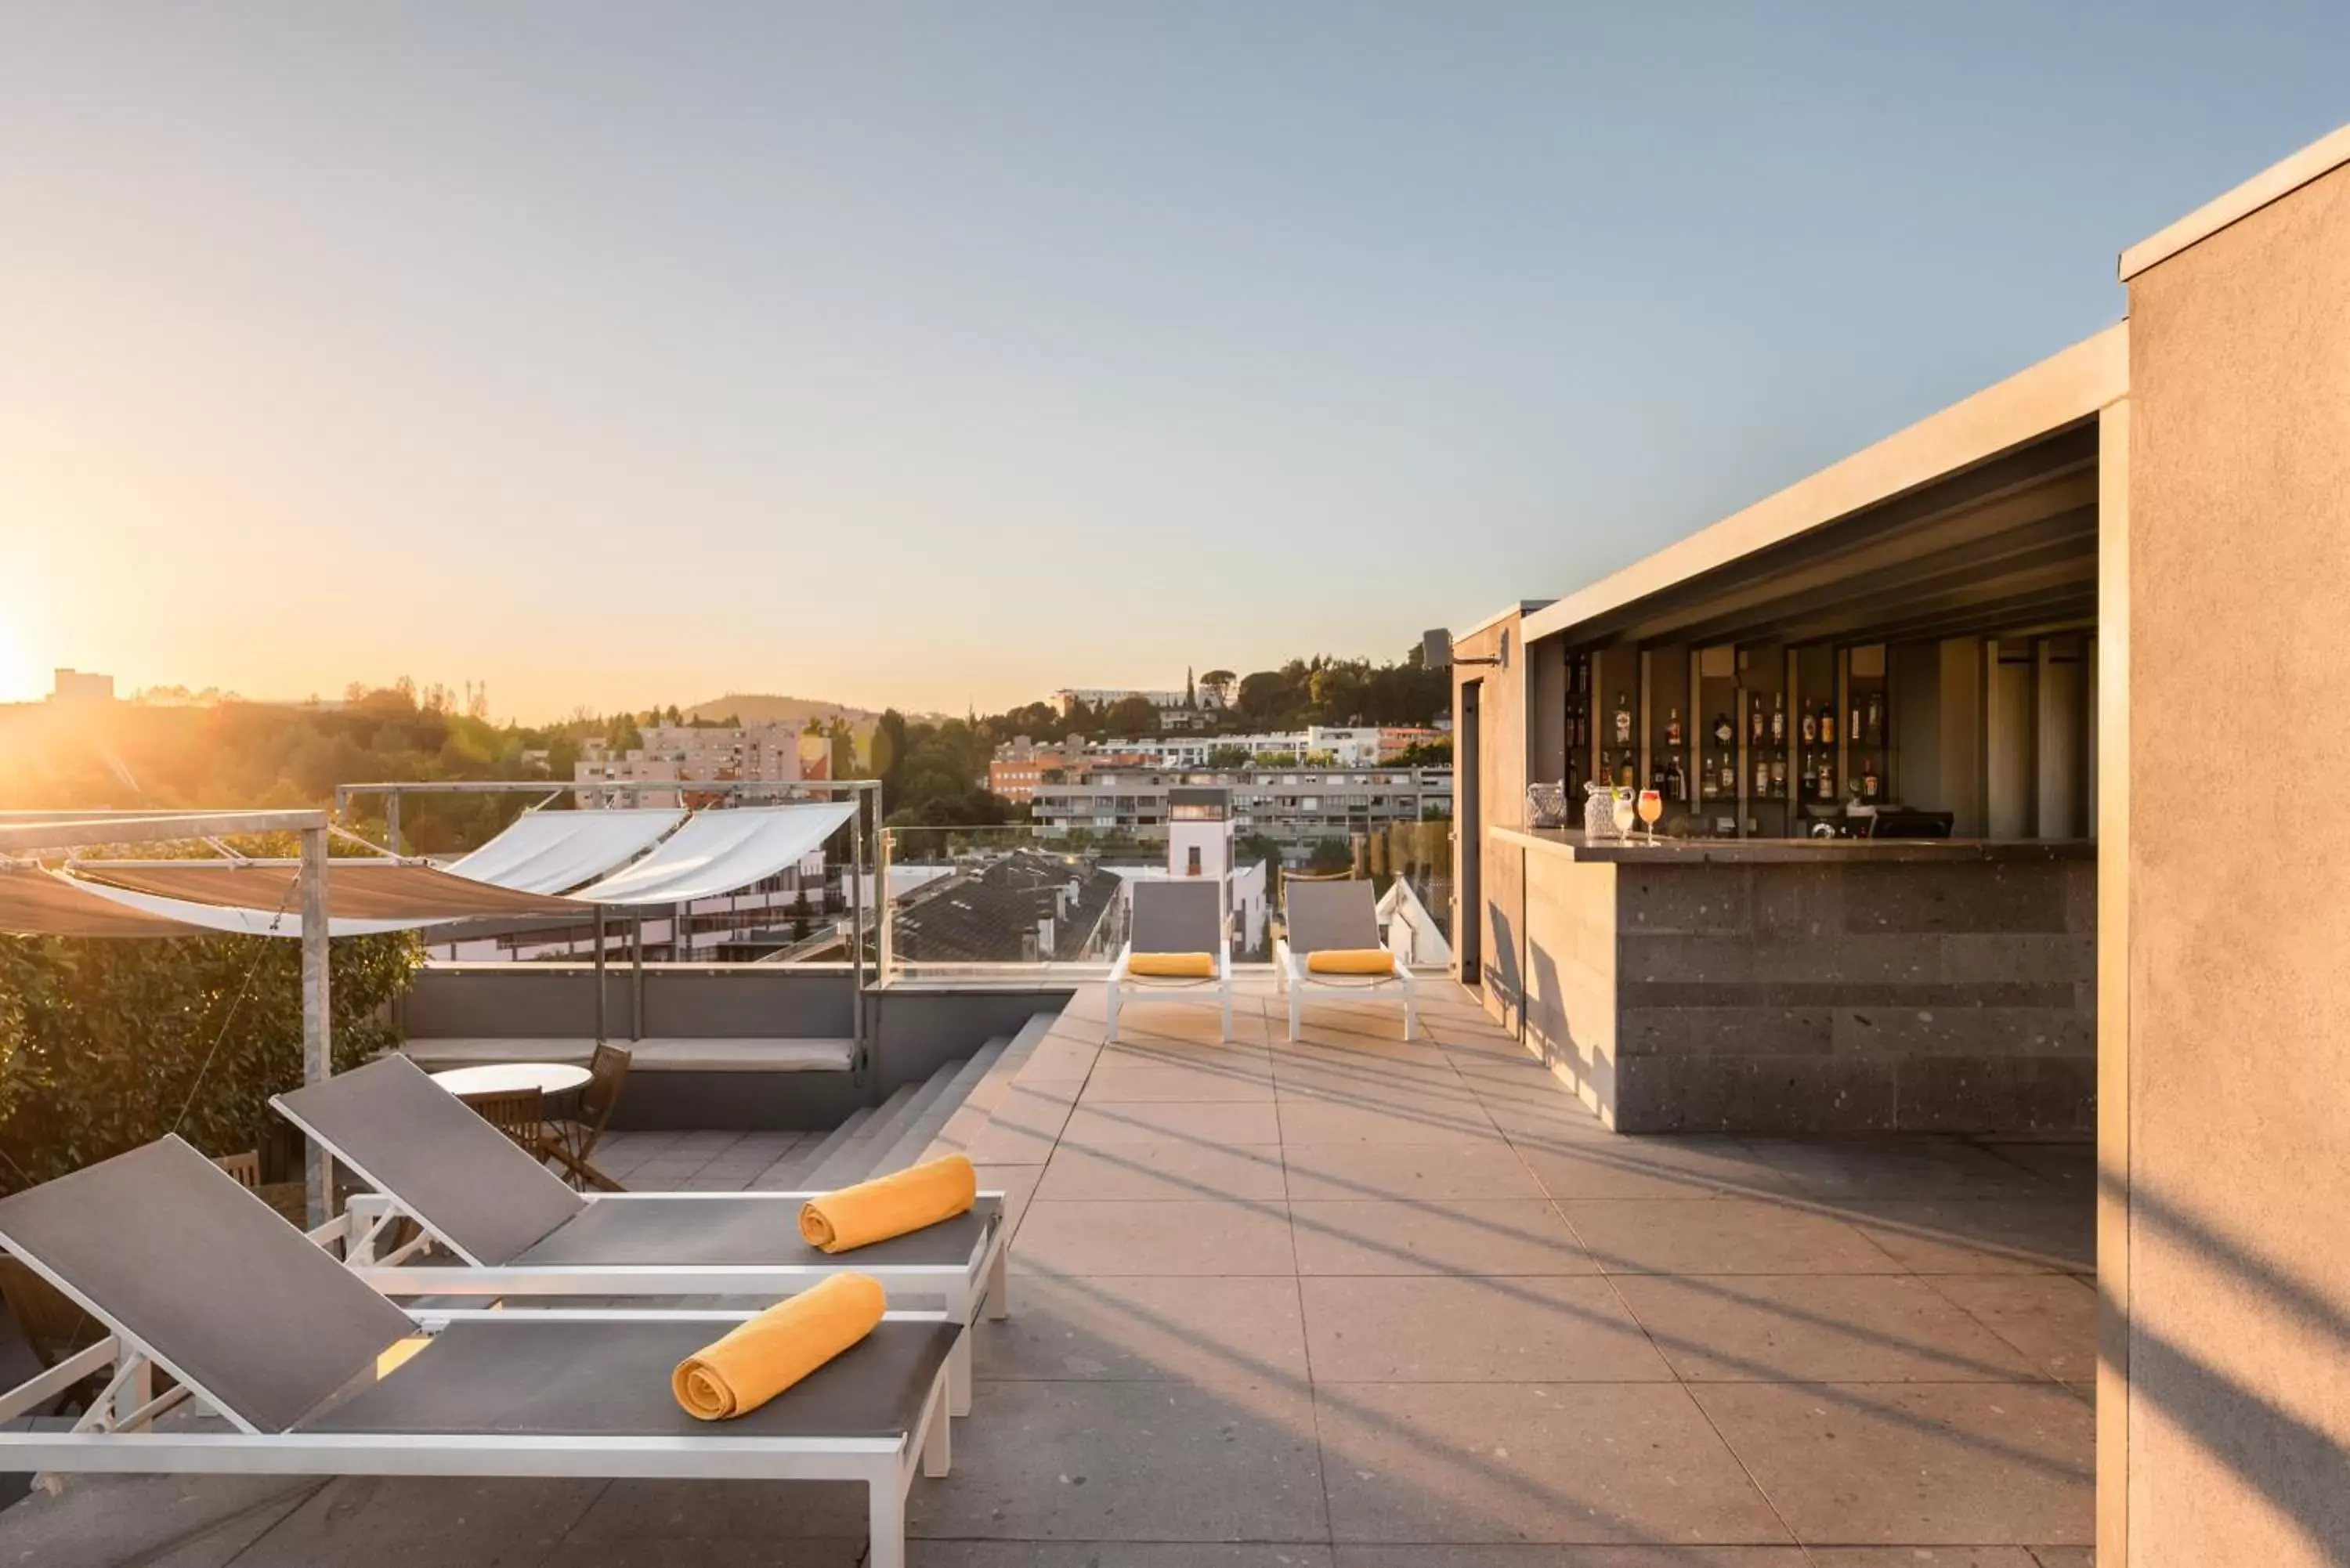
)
(2237, 1163)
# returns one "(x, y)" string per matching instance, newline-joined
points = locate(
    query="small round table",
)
(548, 1078)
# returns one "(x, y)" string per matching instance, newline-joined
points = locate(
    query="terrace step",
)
(786, 1176)
(655, 1054)
(969, 1118)
(847, 1163)
(959, 1079)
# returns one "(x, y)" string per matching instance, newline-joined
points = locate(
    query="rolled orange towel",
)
(1172, 966)
(1350, 961)
(766, 1355)
(889, 1205)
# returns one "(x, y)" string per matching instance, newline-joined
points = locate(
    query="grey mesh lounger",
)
(517, 1232)
(1174, 917)
(1332, 916)
(190, 1273)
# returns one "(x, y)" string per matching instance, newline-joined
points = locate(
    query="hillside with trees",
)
(178, 749)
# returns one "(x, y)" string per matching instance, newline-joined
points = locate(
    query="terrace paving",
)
(1354, 1304)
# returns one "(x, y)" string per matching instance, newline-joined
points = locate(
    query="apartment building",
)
(686, 753)
(1295, 807)
(1021, 764)
(1345, 746)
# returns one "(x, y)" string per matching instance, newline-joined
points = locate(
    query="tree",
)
(1135, 716)
(1228, 756)
(1331, 855)
(1265, 700)
(844, 747)
(109, 1044)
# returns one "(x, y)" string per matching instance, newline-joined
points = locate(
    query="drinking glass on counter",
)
(1652, 807)
(1623, 813)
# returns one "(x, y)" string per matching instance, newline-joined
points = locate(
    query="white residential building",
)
(688, 753)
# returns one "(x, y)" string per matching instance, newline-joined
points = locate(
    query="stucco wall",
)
(1569, 956)
(2238, 896)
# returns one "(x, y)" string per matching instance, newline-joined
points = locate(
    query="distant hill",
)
(765, 709)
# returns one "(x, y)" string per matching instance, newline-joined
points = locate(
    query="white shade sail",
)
(37, 902)
(555, 851)
(722, 852)
(228, 918)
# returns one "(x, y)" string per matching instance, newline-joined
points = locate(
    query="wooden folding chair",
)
(246, 1168)
(520, 1114)
(569, 1142)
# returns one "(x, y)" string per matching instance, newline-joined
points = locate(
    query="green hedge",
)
(103, 1043)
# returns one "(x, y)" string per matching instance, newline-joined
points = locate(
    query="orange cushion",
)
(1350, 961)
(1173, 966)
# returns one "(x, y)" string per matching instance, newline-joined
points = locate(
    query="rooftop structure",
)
(1940, 733)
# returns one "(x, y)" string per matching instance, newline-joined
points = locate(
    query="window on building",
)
(1191, 861)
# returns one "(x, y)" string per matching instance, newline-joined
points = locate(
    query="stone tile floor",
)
(1355, 1304)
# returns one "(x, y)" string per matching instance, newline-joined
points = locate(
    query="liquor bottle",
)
(1723, 734)
(1761, 779)
(1827, 780)
(1827, 723)
(1778, 779)
(1676, 781)
(1583, 675)
(1811, 727)
(1755, 719)
(1876, 716)
(1852, 730)
(1779, 717)
(1729, 773)
(1623, 719)
(1673, 729)
(1628, 771)
(1868, 781)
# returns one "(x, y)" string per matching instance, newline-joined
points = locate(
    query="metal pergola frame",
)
(862, 790)
(31, 833)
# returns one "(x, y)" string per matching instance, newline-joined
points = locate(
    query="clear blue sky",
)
(894, 353)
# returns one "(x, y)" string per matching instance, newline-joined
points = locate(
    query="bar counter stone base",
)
(1801, 989)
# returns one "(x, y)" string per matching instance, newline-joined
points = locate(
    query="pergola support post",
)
(317, 1044)
(600, 1032)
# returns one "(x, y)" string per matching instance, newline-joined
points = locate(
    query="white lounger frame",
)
(963, 1288)
(1119, 979)
(1291, 976)
(118, 1436)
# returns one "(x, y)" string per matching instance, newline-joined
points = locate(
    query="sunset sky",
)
(934, 354)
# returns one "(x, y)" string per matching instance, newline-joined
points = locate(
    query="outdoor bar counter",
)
(1804, 985)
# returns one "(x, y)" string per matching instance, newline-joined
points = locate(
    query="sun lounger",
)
(1332, 917)
(1174, 919)
(309, 1372)
(515, 1230)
